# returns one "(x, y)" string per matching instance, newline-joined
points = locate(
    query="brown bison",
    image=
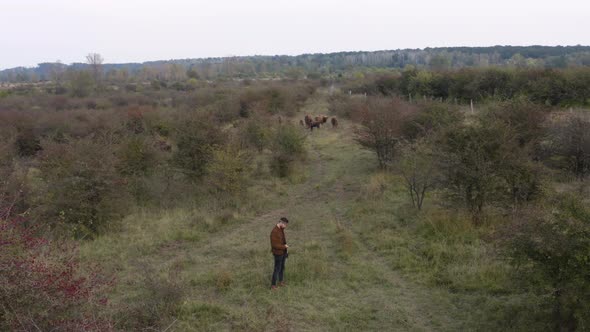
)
(334, 123)
(315, 124)
(308, 120)
(324, 119)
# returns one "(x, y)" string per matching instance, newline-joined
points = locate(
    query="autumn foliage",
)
(43, 285)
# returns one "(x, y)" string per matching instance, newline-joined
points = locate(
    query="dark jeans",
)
(279, 269)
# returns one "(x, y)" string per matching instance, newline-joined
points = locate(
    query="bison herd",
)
(316, 122)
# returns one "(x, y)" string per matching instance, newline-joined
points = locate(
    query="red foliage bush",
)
(43, 286)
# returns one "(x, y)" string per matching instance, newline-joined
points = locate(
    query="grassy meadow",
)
(360, 257)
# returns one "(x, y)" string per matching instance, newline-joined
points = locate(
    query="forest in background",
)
(319, 65)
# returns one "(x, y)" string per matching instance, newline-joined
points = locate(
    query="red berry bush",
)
(43, 285)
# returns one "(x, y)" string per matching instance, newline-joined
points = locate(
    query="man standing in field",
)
(278, 244)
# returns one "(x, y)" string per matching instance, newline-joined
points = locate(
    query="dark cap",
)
(285, 220)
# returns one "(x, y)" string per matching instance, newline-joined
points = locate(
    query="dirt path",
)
(400, 304)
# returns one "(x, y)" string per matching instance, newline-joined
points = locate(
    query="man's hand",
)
(286, 246)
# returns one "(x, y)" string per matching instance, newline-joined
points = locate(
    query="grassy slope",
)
(346, 270)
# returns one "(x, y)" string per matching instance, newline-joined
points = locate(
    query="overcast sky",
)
(33, 31)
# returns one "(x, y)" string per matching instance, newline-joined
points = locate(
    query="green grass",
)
(360, 257)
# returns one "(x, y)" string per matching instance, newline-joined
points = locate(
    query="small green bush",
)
(82, 189)
(288, 146)
(257, 134)
(551, 248)
(196, 139)
(136, 157)
(228, 170)
(81, 83)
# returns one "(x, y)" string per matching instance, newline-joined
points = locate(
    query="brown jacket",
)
(278, 241)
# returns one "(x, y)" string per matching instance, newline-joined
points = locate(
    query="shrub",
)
(469, 158)
(136, 118)
(196, 139)
(7, 153)
(256, 133)
(43, 285)
(226, 109)
(81, 83)
(131, 87)
(526, 118)
(486, 162)
(382, 122)
(430, 118)
(91, 104)
(83, 190)
(417, 164)
(59, 102)
(27, 142)
(289, 140)
(523, 178)
(551, 247)
(156, 299)
(346, 106)
(288, 146)
(276, 100)
(228, 170)
(571, 144)
(136, 157)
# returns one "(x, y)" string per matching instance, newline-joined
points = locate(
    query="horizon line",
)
(289, 55)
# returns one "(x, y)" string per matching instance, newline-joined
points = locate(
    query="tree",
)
(470, 158)
(383, 121)
(417, 164)
(439, 62)
(490, 161)
(517, 60)
(421, 84)
(56, 71)
(95, 61)
(192, 73)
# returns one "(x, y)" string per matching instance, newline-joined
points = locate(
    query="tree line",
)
(555, 87)
(322, 65)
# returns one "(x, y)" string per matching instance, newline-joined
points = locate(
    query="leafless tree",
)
(417, 164)
(95, 61)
